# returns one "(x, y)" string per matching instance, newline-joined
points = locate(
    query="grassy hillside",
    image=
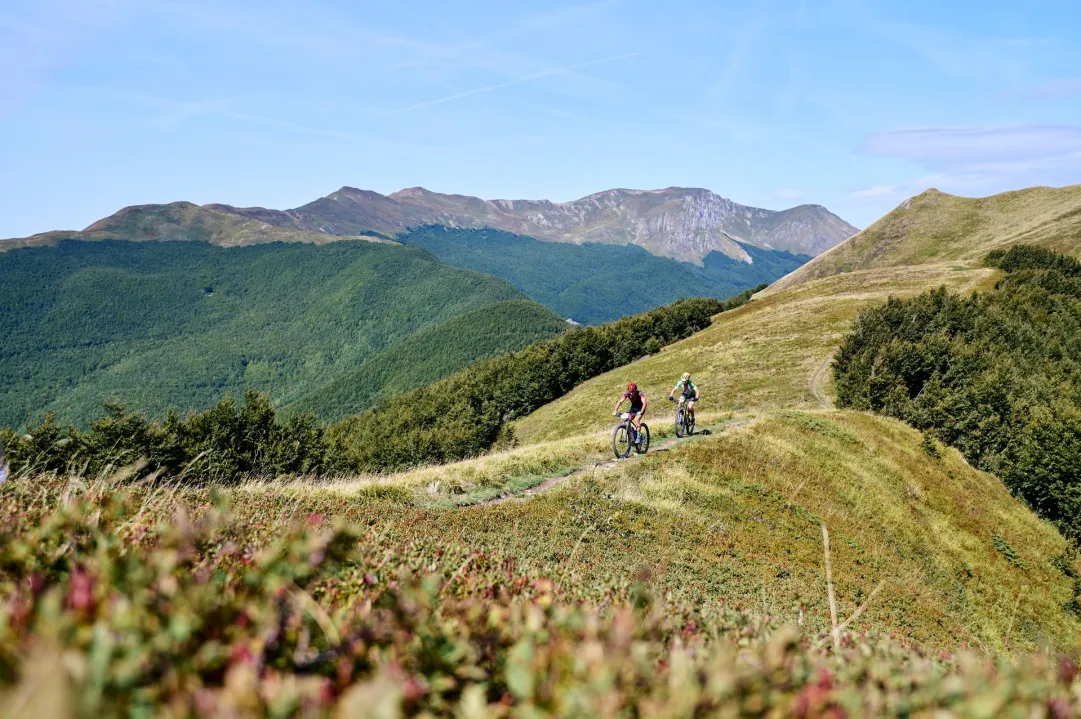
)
(731, 521)
(595, 283)
(177, 325)
(611, 598)
(771, 357)
(941, 228)
(996, 374)
(759, 357)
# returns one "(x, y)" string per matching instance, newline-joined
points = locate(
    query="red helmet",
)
(632, 387)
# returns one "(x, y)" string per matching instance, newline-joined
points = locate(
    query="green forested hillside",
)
(596, 283)
(177, 325)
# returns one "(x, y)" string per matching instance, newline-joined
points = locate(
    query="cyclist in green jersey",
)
(688, 393)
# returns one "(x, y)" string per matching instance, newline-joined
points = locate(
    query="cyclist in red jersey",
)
(638, 405)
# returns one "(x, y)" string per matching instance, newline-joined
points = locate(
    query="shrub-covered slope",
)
(996, 374)
(177, 325)
(595, 283)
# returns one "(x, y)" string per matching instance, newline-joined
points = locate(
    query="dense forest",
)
(163, 325)
(594, 283)
(996, 374)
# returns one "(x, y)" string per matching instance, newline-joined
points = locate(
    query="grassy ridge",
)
(595, 283)
(177, 325)
(762, 356)
(934, 227)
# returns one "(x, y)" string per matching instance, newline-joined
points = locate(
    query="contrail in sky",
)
(509, 83)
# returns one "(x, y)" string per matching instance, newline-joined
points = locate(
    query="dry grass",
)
(936, 227)
(762, 356)
(459, 483)
(731, 521)
(924, 525)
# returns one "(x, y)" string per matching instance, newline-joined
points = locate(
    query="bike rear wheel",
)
(642, 446)
(621, 441)
(680, 418)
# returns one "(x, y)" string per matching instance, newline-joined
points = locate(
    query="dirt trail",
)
(824, 402)
(553, 482)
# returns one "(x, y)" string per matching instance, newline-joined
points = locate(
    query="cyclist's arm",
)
(618, 405)
(645, 403)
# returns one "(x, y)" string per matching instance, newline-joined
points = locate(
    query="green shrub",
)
(223, 444)
(997, 375)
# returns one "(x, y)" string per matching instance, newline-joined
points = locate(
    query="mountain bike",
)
(684, 419)
(625, 437)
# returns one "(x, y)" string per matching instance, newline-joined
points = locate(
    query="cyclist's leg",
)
(690, 406)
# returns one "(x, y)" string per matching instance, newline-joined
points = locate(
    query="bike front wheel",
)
(621, 441)
(680, 418)
(642, 446)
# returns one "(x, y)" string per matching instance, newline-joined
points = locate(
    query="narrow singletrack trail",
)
(824, 402)
(591, 467)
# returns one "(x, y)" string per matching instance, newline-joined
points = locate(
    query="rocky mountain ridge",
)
(683, 223)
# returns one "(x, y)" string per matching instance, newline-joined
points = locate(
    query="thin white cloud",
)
(875, 192)
(167, 112)
(788, 194)
(501, 85)
(957, 147)
(977, 160)
(1058, 89)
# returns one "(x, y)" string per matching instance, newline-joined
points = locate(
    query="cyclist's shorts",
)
(689, 398)
(634, 412)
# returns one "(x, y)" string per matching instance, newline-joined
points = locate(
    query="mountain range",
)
(682, 223)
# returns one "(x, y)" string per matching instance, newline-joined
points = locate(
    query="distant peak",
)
(354, 192)
(412, 192)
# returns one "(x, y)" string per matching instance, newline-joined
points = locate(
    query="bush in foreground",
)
(112, 607)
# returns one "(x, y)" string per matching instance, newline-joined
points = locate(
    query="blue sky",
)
(851, 104)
